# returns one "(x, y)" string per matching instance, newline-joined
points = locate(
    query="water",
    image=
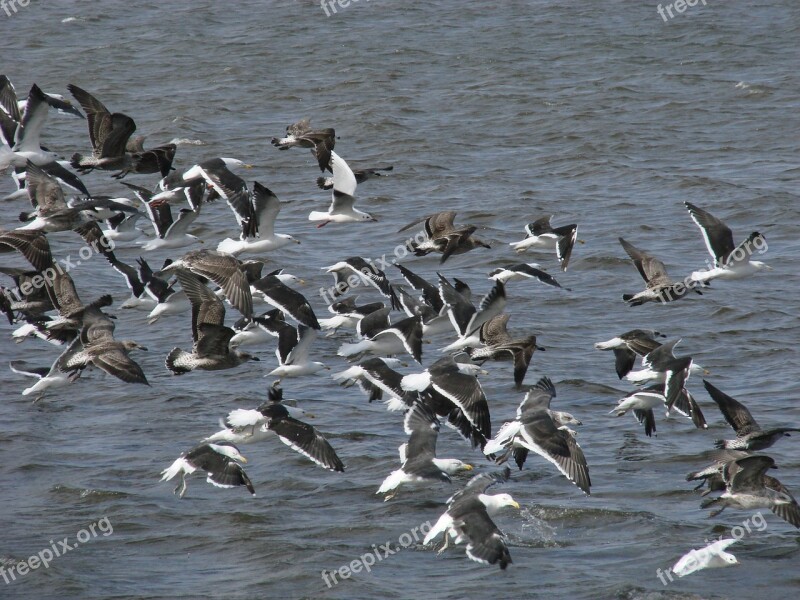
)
(599, 113)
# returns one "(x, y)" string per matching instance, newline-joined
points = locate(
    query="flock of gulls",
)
(378, 337)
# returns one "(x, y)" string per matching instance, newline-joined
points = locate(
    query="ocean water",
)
(598, 113)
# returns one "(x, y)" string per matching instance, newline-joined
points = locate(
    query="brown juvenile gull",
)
(211, 350)
(749, 434)
(109, 134)
(747, 486)
(444, 237)
(222, 269)
(659, 285)
(499, 345)
(100, 349)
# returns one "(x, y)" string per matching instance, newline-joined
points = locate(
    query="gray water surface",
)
(598, 113)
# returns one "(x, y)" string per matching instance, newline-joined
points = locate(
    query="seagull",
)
(385, 338)
(347, 314)
(747, 486)
(524, 271)
(543, 236)
(99, 348)
(444, 237)
(20, 132)
(255, 213)
(659, 286)
(642, 403)
(465, 318)
(292, 352)
(341, 209)
(33, 245)
(712, 474)
(51, 211)
(54, 377)
(168, 300)
(455, 392)
(211, 350)
(320, 141)
(367, 273)
(122, 228)
(214, 173)
(244, 426)
(222, 269)
(220, 462)
(56, 169)
(730, 262)
(662, 366)
(26, 302)
(291, 302)
(433, 323)
(170, 233)
(468, 519)
(536, 430)
(499, 345)
(376, 377)
(430, 293)
(259, 329)
(418, 455)
(109, 134)
(628, 345)
(709, 557)
(749, 434)
(430, 306)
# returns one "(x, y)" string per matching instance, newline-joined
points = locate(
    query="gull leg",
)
(181, 486)
(446, 544)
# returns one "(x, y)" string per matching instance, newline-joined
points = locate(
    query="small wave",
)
(186, 142)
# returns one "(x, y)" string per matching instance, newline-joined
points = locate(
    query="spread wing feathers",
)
(650, 268)
(735, 413)
(344, 181)
(306, 440)
(207, 308)
(717, 236)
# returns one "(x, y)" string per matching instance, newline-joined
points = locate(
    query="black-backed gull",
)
(536, 430)
(660, 288)
(294, 346)
(418, 454)
(730, 262)
(468, 519)
(628, 345)
(220, 463)
(541, 235)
